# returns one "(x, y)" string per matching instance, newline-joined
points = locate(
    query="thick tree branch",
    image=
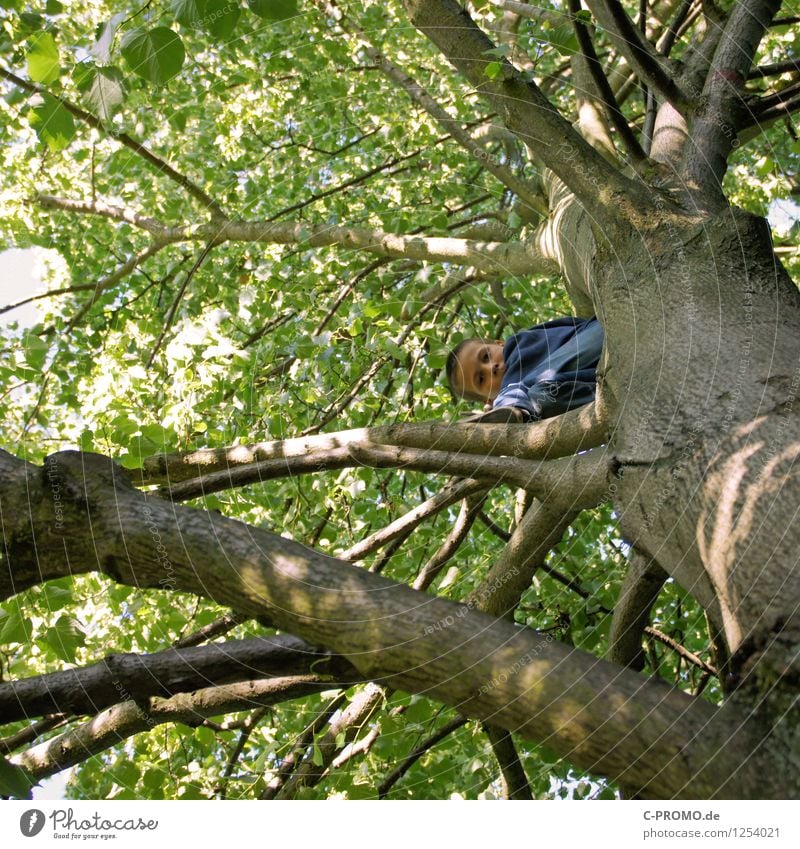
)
(714, 130)
(641, 56)
(640, 588)
(526, 112)
(115, 725)
(81, 515)
(577, 430)
(620, 122)
(580, 481)
(515, 782)
(505, 257)
(120, 677)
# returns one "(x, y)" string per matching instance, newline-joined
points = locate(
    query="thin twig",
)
(124, 139)
(31, 733)
(214, 629)
(681, 650)
(396, 774)
(174, 308)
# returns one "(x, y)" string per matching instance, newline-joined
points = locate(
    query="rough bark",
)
(640, 588)
(131, 676)
(700, 373)
(620, 725)
(514, 781)
(575, 431)
(116, 724)
(507, 257)
(705, 417)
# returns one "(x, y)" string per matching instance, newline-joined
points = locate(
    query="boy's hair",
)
(452, 363)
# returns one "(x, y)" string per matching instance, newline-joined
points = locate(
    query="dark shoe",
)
(499, 415)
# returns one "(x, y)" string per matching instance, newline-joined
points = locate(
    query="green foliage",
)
(273, 10)
(103, 89)
(43, 61)
(156, 54)
(52, 122)
(14, 781)
(65, 637)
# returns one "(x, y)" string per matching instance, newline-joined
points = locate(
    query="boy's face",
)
(479, 371)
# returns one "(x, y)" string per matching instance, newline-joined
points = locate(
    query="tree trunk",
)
(704, 421)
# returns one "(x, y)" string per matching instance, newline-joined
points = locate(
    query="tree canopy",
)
(265, 224)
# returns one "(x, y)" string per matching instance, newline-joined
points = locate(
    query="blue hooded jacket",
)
(551, 367)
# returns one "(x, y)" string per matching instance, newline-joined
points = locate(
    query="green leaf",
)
(564, 40)
(189, 12)
(30, 22)
(55, 597)
(43, 61)
(205, 737)
(35, 350)
(52, 122)
(156, 436)
(317, 755)
(54, 7)
(133, 459)
(106, 93)
(156, 54)
(154, 778)
(14, 781)
(104, 38)
(273, 10)
(126, 773)
(493, 70)
(13, 628)
(83, 74)
(65, 637)
(221, 18)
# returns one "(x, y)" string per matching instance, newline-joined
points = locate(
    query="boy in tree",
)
(536, 374)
